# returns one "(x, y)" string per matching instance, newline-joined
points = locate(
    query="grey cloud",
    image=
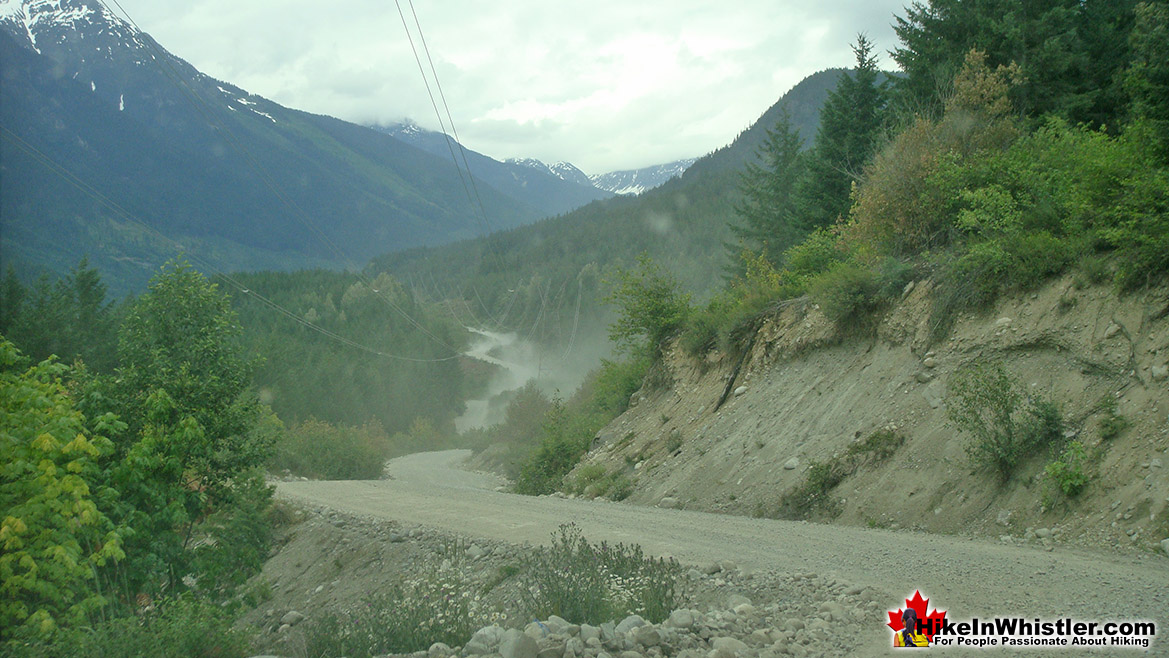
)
(606, 85)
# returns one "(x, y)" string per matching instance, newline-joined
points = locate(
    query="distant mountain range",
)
(636, 181)
(519, 171)
(113, 147)
(682, 223)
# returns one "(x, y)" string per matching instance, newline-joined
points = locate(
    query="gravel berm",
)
(968, 578)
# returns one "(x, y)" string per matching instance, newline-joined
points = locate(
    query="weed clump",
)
(592, 584)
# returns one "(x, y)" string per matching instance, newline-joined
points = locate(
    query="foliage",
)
(566, 437)
(897, 202)
(1147, 77)
(813, 495)
(768, 211)
(1071, 54)
(1069, 470)
(1112, 423)
(178, 627)
(436, 607)
(848, 294)
(607, 391)
(317, 449)
(1006, 428)
(734, 310)
(595, 481)
(593, 584)
(235, 538)
(69, 318)
(650, 307)
(56, 534)
(851, 121)
(183, 368)
(308, 374)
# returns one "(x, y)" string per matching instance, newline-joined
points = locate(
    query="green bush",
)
(178, 627)
(813, 495)
(1005, 426)
(817, 253)
(1069, 471)
(593, 584)
(848, 294)
(1112, 424)
(877, 447)
(316, 449)
(56, 532)
(650, 306)
(567, 436)
(596, 481)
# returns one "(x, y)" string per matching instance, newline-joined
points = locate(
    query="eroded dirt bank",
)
(805, 394)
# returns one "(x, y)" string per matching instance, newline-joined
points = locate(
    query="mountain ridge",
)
(117, 149)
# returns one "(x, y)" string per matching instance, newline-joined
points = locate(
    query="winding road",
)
(967, 577)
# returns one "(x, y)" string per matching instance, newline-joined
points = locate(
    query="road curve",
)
(968, 578)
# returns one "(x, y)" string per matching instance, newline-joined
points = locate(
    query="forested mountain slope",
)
(116, 148)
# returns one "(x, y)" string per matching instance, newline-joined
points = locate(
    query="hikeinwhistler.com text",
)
(1020, 632)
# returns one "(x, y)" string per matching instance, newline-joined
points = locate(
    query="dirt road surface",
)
(967, 578)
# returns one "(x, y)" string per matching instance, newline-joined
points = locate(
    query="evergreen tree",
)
(1147, 78)
(850, 123)
(12, 296)
(1070, 53)
(767, 213)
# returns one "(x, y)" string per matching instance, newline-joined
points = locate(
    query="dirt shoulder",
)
(968, 577)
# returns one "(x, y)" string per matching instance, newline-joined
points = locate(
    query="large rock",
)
(517, 644)
(292, 618)
(647, 636)
(728, 644)
(629, 623)
(588, 631)
(680, 619)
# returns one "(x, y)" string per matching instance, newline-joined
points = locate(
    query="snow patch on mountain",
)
(636, 181)
(39, 17)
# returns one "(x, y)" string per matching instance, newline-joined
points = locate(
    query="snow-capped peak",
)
(33, 17)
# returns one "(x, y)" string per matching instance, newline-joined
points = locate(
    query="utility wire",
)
(298, 212)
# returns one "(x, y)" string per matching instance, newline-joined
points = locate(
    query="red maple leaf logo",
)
(930, 623)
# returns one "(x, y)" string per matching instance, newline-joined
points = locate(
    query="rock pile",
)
(741, 631)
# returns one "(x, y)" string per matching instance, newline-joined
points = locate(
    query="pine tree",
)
(850, 122)
(1071, 53)
(1147, 78)
(767, 212)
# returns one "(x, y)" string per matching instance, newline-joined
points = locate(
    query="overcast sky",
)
(605, 84)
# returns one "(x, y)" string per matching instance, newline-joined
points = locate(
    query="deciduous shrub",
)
(650, 306)
(173, 627)
(317, 449)
(1005, 426)
(1069, 471)
(55, 532)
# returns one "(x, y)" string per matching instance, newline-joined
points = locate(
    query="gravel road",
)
(967, 578)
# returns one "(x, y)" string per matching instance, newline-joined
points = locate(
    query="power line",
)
(298, 212)
(422, 38)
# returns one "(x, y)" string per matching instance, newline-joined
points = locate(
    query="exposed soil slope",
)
(805, 393)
